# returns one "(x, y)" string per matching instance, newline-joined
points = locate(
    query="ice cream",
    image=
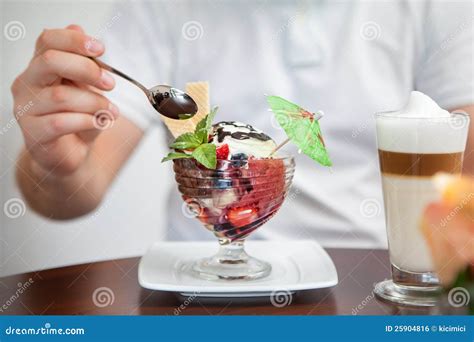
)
(236, 140)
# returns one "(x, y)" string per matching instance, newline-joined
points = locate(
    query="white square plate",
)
(296, 265)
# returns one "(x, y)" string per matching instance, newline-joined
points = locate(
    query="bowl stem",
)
(231, 262)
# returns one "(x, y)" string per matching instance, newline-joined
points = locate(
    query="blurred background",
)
(119, 227)
(300, 50)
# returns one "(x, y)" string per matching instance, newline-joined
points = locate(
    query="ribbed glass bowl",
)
(232, 201)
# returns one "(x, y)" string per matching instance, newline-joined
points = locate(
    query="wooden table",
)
(69, 291)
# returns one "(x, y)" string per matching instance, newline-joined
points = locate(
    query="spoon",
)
(168, 101)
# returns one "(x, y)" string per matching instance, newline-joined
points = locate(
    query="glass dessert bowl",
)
(232, 201)
(232, 180)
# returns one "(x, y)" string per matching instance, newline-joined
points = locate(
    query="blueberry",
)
(239, 156)
(219, 227)
(247, 184)
(239, 159)
(222, 183)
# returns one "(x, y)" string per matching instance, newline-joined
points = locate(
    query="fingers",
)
(75, 28)
(46, 68)
(43, 129)
(454, 231)
(67, 98)
(89, 136)
(435, 212)
(72, 40)
(83, 86)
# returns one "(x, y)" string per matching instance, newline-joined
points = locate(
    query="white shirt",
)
(349, 59)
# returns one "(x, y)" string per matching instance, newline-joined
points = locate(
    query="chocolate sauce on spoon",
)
(168, 101)
(172, 101)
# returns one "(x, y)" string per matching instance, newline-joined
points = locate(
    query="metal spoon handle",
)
(121, 74)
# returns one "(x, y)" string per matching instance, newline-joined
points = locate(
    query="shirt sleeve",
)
(445, 71)
(136, 43)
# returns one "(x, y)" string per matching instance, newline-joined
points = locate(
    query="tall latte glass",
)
(412, 149)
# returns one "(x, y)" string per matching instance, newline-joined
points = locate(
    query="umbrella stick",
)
(280, 146)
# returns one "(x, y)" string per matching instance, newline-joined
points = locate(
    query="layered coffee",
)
(419, 164)
(408, 188)
(414, 144)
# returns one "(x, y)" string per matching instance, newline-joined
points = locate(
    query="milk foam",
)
(422, 106)
(421, 127)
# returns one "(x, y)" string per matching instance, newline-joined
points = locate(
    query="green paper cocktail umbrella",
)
(301, 127)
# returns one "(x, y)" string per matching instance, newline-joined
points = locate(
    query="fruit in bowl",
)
(232, 201)
(233, 181)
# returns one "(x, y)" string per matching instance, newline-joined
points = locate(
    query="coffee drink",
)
(414, 145)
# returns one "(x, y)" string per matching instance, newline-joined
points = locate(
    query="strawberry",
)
(222, 152)
(203, 216)
(242, 216)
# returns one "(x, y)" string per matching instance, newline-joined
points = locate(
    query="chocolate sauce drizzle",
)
(221, 133)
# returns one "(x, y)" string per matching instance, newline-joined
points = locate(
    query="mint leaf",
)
(210, 118)
(186, 141)
(201, 131)
(204, 126)
(205, 154)
(175, 155)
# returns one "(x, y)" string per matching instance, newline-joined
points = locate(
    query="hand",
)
(449, 228)
(59, 105)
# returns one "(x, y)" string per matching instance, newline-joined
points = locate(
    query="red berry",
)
(222, 152)
(242, 216)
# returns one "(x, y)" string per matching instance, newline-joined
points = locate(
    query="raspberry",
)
(222, 152)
